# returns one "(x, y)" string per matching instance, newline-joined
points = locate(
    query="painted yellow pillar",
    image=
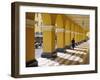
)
(79, 34)
(48, 37)
(60, 33)
(83, 34)
(86, 35)
(72, 31)
(30, 50)
(54, 40)
(76, 33)
(67, 33)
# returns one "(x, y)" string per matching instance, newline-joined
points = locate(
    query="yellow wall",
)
(30, 51)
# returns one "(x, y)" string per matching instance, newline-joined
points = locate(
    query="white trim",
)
(60, 29)
(72, 32)
(75, 32)
(47, 28)
(67, 31)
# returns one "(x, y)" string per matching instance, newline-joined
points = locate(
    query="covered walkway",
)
(72, 57)
(49, 39)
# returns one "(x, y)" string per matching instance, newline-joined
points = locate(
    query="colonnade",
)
(58, 31)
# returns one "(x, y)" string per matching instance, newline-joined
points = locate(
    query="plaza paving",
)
(80, 55)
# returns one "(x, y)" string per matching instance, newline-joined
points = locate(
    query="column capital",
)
(60, 29)
(47, 28)
(67, 31)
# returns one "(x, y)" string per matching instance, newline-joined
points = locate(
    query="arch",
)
(53, 19)
(59, 21)
(46, 19)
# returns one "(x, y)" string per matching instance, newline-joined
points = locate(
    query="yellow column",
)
(76, 33)
(72, 31)
(53, 20)
(83, 35)
(86, 35)
(30, 50)
(67, 33)
(60, 33)
(48, 37)
(79, 34)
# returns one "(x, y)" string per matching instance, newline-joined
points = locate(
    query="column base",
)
(78, 43)
(68, 47)
(49, 55)
(61, 50)
(32, 63)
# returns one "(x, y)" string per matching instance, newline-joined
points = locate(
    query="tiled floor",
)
(80, 55)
